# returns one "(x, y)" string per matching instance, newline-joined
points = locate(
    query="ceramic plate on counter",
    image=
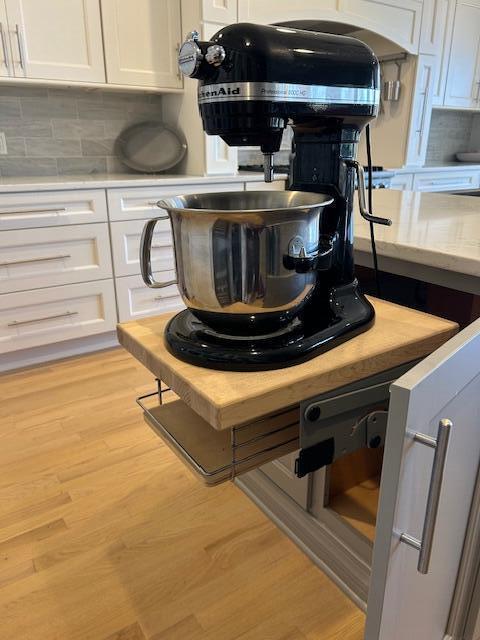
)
(150, 147)
(472, 156)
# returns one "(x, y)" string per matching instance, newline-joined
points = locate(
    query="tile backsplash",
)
(53, 132)
(450, 132)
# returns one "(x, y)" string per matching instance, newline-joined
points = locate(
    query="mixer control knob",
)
(215, 55)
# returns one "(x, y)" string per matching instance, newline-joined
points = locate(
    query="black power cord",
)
(370, 209)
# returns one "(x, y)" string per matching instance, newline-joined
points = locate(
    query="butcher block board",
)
(228, 398)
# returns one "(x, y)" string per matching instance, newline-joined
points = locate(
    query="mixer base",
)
(191, 340)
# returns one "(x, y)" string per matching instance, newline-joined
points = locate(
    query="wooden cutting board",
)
(228, 398)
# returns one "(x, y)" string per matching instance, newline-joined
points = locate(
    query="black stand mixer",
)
(253, 81)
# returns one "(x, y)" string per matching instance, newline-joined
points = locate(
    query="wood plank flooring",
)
(104, 535)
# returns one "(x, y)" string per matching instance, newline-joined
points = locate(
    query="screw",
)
(313, 414)
(375, 442)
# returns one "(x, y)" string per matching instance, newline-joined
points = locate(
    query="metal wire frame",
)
(235, 467)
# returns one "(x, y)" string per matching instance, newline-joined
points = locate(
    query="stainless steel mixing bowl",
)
(244, 253)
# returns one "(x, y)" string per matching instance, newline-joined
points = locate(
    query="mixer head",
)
(256, 79)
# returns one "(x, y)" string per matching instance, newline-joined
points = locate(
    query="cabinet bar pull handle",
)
(440, 444)
(18, 323)
(16, 213)
(20, 47)
(4, 48)
(46, 259)
(153, 203)
(177, 51)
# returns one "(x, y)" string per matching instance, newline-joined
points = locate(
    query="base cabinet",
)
(417, 592)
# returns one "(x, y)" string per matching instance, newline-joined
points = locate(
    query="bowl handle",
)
(145, 255)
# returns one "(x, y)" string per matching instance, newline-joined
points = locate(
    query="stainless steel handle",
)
(361, 196)
(16, 213)
(21, 52)
(19, 323)
(46, 259)
(145, 256)
(440, 444)
(6, 59)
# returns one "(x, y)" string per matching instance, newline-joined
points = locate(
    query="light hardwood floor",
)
(104, 535)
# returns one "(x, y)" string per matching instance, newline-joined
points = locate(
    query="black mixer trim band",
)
(286, 92)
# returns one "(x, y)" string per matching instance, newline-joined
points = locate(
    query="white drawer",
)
(34, 258)
(136, 300)
(446, 181)
(139, 203)
(126, 246)
(52, 208)
(33, 318)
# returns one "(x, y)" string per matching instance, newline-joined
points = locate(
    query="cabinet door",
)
(402, 602)
(282, 473)
(222, 11)
(463, 79)
(56, 40)
(5, 51)
(141, 42)
(436, 39)
(421, 111)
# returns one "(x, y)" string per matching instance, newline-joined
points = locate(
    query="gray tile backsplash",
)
(450, 132)
(68, 131)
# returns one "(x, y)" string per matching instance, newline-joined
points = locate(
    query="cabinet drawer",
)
(52, 208)
(33, 318)
(139, 203)
(136, 300)
(34, 258)
(446, 181)
(126, 246)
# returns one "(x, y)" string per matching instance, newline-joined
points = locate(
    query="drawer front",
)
(126, 247)
(136, 300)
(139, 203)
(445, 181)
(34, 318)
(35, 258)
(52, 208)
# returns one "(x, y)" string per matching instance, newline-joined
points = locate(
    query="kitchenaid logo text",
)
(221, 91)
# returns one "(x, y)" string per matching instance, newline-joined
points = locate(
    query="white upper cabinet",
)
(54, 39)
(428, 482)
(463, 80)
(396, 20)
(141, 42)
(222, 11)
(5, 51)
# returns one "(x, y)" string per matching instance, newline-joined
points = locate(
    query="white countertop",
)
(103, 181)
(432, 229)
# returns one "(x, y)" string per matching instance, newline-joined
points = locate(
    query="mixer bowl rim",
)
(317, 200)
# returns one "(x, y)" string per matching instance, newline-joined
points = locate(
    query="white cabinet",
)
(56, 40)
(463, 79)
(404, 603)
(33, 318)
(126, 247)
(222, 11)
(5, 50)
(135, 300)
(446, 180)
(436, 39)
(52, 208)
(421, 111)
(35, 258)
(402, 182)
(141, 42)
(397, 20)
